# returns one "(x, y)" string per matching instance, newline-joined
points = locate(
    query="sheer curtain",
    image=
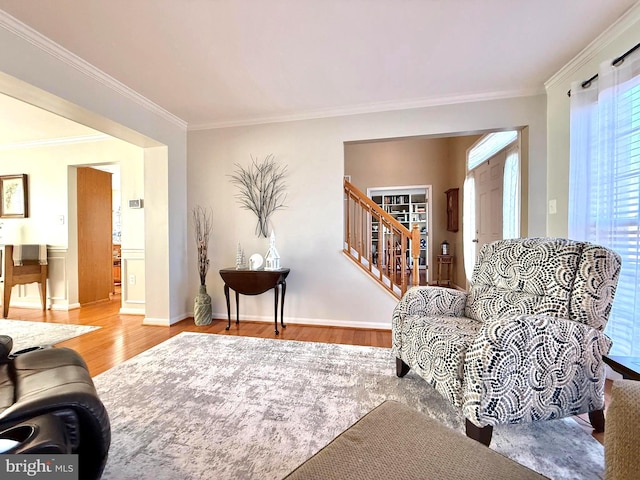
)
(469, 224)
(511, 194)
(604, 187)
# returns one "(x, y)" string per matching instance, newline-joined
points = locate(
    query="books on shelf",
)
(395, 199)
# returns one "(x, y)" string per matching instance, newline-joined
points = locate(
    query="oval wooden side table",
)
(255, 282)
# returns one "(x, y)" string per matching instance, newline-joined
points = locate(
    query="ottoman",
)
(395, 442)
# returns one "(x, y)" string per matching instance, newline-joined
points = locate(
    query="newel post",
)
(415, 253)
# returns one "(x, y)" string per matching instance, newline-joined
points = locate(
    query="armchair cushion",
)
(533, 276)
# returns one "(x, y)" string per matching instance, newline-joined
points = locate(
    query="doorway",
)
(492, 193)
(426, 160)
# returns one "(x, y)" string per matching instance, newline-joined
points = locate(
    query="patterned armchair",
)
(525, 343)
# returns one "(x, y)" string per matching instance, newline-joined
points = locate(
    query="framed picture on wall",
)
(14, 196)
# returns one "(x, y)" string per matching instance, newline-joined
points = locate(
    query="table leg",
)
(237, 308)
(226, 295)
(284, 291)
(275, 294)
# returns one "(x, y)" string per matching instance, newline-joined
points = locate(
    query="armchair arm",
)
(424, 301)
(431, 301)
(523, 368)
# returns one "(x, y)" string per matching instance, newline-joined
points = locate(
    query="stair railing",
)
(378, 243)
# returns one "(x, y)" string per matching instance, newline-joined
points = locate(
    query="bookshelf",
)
(409, 205)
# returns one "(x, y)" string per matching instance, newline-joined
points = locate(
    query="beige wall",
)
(324, 287)
(440, 162)
(389, 163)
(618, 39)
(458, 147)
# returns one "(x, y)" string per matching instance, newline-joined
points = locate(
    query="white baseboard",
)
(158, 322)
(164, 322)
(131, 311)
(320, 322)
(64, 308)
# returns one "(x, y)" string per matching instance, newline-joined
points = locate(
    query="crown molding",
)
(371, 108)
(626, 21)
(16, 27)
(54, 142)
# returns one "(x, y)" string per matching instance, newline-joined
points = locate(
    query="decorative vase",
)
(202, 308)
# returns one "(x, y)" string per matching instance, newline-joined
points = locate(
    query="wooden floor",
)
(123, 336)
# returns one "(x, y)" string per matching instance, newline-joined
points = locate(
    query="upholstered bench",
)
(395, 442)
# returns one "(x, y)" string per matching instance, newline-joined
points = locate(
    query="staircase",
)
(378, 243)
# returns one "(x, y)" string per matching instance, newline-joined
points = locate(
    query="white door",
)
(489, 180)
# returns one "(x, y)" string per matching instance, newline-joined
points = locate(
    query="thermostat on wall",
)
(136, 203)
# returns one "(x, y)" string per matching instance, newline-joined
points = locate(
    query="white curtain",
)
(469, 224)
(604, 187)
(511, 194)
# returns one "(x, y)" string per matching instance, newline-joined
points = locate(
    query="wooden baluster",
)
(404, 248)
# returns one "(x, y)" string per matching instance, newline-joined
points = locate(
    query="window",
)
(604, 188)
(488, 146)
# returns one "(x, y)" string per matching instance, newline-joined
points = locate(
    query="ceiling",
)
(230, 62)
(22, 124)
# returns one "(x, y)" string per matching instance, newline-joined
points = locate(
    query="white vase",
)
(202, 308)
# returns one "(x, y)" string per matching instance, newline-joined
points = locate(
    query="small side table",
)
(628, 367)
(444, 262)
(254, 282)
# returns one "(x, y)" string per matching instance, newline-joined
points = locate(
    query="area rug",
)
(30, 334)
(205, 406)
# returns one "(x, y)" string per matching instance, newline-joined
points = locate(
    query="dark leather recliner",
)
(49, 405)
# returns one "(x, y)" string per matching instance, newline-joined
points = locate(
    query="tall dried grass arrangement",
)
(203, 226)
(262, 189)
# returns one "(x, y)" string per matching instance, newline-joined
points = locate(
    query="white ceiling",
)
(22, 124)
(224, 62)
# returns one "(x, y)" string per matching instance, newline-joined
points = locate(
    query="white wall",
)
(45, 75)
(619, 38)
(324, 287)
